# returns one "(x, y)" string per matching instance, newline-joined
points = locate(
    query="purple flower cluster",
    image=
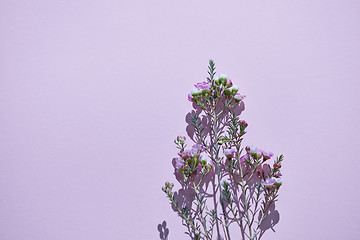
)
(270, 182)
(264, 169)
(189, 159)
(216, 125)
(197, 149)
(179, 163)
(257, 153)
(222, 85)
(203, 86)
(199, 90)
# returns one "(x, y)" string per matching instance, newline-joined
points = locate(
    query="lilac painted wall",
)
(92, 94)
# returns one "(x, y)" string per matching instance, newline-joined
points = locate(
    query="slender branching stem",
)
(186, 218)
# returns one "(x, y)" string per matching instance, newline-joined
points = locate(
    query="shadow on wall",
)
(203, 203)
(163, 231)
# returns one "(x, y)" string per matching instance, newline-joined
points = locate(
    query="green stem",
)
(215, 129)
(203, 220)
(184, 217)
(265, 209)
(237, 220)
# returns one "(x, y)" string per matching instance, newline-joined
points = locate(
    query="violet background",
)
(92, 94)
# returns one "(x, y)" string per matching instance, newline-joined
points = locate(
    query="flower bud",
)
(222, 79)
(229, 153)
(267, 155)
(243, 125)
(190, 97)
(277, 175)
(278, 182)
(227, 92)
(169, 185)
(196, 92)
(228, 83)
(239, 97)
(217, 80)
(234, 89)
(203, 160)
(208, 167)
(195, 159)
(254, 151)
(181, 138)
(277, 165)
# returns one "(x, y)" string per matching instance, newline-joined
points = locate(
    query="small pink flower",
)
(277, 165)
(234, 89)
(239, 97)
(228, 83)
(190, 97)
(181, 138)
(195, 92)
(203, 160)
(185, 154)
(179, 163)
(254, 151)
(278, 182)
(243, 124)
(197, 149)
(269, 182)
(251, 149)
(203, 86)
(229, 153)
(278, 175)
(267, 155)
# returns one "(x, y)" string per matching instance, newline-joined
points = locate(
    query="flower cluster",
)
(180, 139)
(222, 87)
(257, 153)
(270, 182)
(201, 89)
(180, 142)
(193, 161)
(168, 188)
(243, 125)
(244, 185)
(270, 176)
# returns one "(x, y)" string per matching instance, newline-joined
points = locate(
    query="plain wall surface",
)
(92, 94)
